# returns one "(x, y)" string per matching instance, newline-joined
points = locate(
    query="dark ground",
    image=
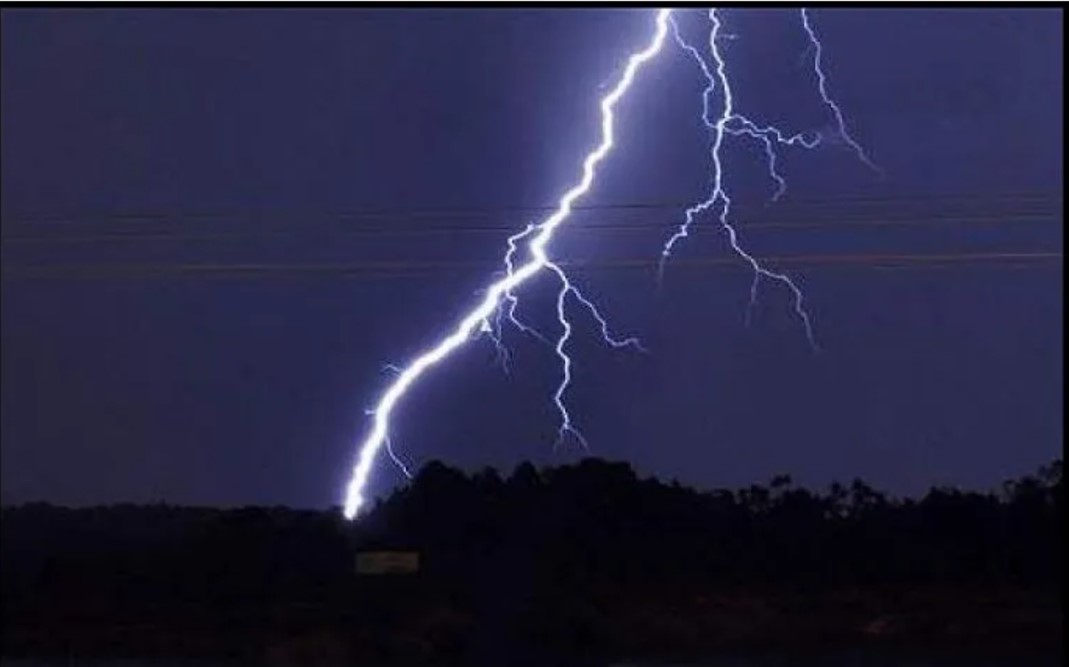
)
(582, 564)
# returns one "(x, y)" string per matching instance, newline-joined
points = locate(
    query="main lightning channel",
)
(478, 318)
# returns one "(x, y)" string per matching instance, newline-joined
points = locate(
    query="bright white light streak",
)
(717, 77)
(471, 323)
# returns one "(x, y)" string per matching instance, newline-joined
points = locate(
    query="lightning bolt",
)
(499, 302)
(507, 310)
(478, 317)
(566, 427)
(720, 127)
(822, 86)
(731, 123)
(496, 330)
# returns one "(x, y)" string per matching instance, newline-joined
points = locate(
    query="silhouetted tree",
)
(580, 543)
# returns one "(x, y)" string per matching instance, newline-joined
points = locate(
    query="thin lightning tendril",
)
(688, 215)
(769, 137)
(717, 77)
(478, 317)
(731, 123)
(822, 86)
(398, 462)
(496, 331)
(499, 301)
(566, 288)
(566, 426)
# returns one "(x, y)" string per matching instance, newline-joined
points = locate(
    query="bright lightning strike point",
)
(369, 449)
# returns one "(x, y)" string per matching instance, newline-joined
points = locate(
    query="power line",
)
(402, 268)
(873, 223)
(440, 212)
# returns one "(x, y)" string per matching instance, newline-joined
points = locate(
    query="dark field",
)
(575, 565)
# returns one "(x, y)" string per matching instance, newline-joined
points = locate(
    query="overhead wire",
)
(780, 219)
(403, 268)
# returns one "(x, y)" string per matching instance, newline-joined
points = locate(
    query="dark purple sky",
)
(236, 138)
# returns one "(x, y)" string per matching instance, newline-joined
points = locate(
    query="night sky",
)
(220, 226)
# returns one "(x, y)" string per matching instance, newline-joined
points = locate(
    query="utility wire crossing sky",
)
(500, 299)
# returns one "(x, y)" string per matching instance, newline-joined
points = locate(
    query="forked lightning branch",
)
(497, 308)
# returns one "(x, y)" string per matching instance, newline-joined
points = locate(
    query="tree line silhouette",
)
(582, 559)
